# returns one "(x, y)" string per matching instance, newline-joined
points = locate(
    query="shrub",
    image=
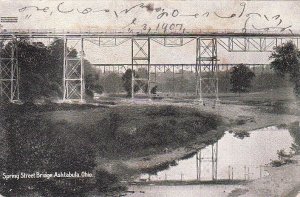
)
(163, 111)
(106, 181)
(38, 145)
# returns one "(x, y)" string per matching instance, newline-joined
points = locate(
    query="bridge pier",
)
(9, 70)
(207, 69)
(140, 56)
(205, 157)
(73, 70)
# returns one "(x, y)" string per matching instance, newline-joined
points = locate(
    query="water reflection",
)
(231, 158)
(183, 190)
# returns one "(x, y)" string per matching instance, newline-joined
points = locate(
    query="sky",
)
(155, 16)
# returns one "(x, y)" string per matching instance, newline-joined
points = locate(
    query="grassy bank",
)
(45, 139)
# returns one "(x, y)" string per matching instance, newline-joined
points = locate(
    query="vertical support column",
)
(1, 72)
(82, 55)
(12, 62)
(196, 71)
(215, 161)
(212, 163)
(215, 63)
(173, 80)
(132, 68)
(140, 53)
(64, 70)
(198, 164)
(197, 68)
(149, 74)
(207, 68)
(73, 70)
(9, 70)
(200, 160)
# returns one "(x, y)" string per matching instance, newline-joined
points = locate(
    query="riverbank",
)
(94, 138)
(282, 181)
(132, 117)
(238, 118)
(241, 118)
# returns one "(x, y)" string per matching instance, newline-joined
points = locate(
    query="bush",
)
(163, 111)
(37, 145)
(276, 163)
(107, 182)
(242, 134)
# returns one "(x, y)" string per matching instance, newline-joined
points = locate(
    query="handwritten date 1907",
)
(164, 28)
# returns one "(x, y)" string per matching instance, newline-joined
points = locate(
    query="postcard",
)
(153, 98)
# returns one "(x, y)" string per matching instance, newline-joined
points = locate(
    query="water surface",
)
(234, 158)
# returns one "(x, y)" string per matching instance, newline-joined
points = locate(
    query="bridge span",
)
(206, 57)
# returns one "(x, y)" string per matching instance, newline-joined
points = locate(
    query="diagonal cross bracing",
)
(73, 71)
(140, 56)
(9, 70)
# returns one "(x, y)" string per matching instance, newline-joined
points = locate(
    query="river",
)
(231, 158)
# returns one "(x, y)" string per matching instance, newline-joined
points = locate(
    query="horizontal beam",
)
(40, 33)
(176, 65)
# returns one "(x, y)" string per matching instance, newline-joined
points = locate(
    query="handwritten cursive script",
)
(251, 21)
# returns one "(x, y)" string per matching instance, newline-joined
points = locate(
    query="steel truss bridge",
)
(206, 65)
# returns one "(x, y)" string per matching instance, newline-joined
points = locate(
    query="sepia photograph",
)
(149, 98)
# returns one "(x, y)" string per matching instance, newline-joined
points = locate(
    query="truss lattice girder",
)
(170, 41)
(73, 71)
(168, 68)
(254, 44)
(107, 41)
(9, 71)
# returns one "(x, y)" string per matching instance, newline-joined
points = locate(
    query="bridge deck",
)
(119, 33)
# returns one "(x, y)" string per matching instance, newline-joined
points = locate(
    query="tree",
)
(127, 81)
(41, 68)
(91, 79)
(39, 71)
(50, 151)
(112, 83)
(285, 61)
(240, 79)
(154, 90)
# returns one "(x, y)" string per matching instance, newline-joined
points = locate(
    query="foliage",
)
(240, 79)
(167, 110)
(153, 90)
(112, 83)
(41, 68)
(127, 82)
(170, 126)
(38, 145)
(294, 131)
(285, 61)
(107, 182)
(138, 84)
(283, 158)
(242, 134)
(47, 151)
(91, 79)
